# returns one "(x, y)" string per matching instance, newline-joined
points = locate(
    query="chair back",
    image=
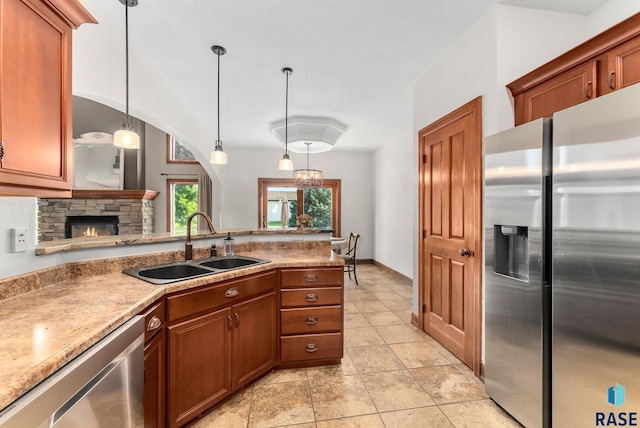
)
(353, 244)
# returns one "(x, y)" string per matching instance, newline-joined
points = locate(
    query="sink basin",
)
(231, 262)
(180, 271)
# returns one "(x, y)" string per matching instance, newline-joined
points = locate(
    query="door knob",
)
(465, 252)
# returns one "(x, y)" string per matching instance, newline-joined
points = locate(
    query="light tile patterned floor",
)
(392, 375)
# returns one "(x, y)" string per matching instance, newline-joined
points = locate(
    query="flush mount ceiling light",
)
(323, 132)
(126, 137)
(286, 164)
(218, 156)
(308, 178)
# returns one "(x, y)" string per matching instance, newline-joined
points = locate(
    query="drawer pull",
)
(311, 277)
(154, 323)
(232, 292)
(311, 348)
(311, 320)
(311, 297)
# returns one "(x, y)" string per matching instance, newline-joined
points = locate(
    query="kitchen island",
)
(58, 313)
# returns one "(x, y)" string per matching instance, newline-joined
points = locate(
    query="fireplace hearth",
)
(88, 226)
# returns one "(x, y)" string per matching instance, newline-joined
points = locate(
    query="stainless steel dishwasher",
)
(102, 387)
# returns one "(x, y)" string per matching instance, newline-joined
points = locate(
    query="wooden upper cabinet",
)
(604, 63)
(565, 90)
(624, 65)
(35, 95)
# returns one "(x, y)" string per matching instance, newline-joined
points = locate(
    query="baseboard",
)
(415, 320)
(395, 273)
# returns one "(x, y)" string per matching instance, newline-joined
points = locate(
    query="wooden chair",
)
(350, 256)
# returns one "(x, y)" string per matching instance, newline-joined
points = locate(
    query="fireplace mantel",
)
(114, 194)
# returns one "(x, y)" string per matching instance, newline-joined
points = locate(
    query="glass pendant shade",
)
(285, 164)
(126, 137)
(218, 156)
(308, 178)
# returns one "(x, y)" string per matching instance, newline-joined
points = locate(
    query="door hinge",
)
(424, 308)
(424, 233)
(424, 158)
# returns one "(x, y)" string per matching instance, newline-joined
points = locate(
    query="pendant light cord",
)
(286, 117)
(218, 141)
(126, 56)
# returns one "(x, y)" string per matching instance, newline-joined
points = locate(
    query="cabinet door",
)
(624, 65)
(35, 86)
(199, 365)
(254, 338)
(572, 87)
(154, 383)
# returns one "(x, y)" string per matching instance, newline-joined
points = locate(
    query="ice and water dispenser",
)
(511, 255)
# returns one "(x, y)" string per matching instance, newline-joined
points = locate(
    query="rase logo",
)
(616, 396)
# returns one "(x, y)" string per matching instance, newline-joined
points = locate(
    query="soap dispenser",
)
(229, 244)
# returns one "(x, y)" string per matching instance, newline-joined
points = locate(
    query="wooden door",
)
(451, 223)
(199, 365)
(254, 338)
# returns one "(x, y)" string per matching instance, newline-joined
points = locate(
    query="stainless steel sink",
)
(181, 271)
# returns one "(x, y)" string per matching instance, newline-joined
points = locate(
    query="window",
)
(323, 204)
(177, 153)
(183, 195)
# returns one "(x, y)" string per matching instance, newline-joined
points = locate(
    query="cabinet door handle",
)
(311, 297)
(311, 348)
(311, 277)
(232, 292)
(610, 80)
(154, 323)
(587, 90)
(237, 317)
(311, 320)
(230, 326)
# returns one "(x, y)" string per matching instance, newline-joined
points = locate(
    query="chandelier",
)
(307, 178)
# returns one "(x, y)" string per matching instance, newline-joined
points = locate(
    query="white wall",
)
(238, 188)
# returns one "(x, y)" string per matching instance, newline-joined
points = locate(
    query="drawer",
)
(310, 320)
(314, 277)
(311, 297)
(154, 319)
(311, 347)
(226, 293)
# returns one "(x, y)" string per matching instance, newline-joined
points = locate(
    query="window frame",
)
(170, 198)
(333, 184)
(170, 140)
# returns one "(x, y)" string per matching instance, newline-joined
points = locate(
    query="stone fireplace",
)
(131, 209)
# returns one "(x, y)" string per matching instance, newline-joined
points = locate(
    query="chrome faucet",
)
(188, 246)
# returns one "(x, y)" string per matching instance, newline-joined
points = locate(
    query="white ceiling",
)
(353, 60)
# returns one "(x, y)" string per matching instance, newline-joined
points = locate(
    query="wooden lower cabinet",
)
(199, 357)
(214, 354)
(154, 383)
(311, 317)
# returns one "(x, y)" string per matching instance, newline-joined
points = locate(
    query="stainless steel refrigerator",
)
(562, 265)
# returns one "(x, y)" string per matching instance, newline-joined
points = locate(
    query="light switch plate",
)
(19, 239)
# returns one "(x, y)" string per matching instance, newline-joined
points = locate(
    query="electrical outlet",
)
(19, 239)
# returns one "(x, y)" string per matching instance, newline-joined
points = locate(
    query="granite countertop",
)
(45, 328)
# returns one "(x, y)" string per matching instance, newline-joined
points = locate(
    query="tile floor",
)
(392, 375)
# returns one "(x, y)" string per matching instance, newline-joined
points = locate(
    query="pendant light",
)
(307, 178)
(286, 164)
(218, 156)
(126, 137)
